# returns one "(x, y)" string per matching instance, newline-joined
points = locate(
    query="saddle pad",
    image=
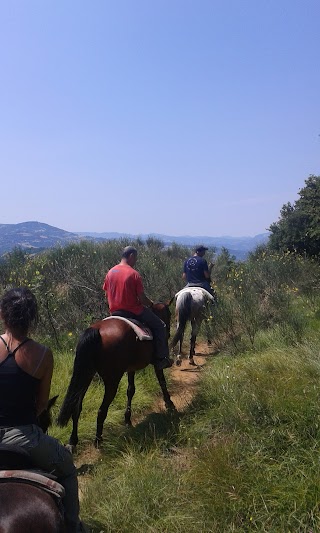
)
(33, 478)
(194, 290)
(143, 333)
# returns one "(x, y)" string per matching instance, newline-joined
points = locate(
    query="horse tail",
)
(83, 372)
(184, 314)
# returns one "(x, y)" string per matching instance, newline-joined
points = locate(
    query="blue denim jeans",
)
(49, 455)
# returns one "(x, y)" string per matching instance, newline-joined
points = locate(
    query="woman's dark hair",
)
(19, 309)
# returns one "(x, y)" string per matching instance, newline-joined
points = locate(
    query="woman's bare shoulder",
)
(35, 358)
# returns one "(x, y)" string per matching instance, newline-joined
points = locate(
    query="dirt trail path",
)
(184, 379)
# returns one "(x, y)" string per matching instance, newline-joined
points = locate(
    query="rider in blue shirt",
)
(196, 270)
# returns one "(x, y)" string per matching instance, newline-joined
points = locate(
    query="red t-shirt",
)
(123, 285)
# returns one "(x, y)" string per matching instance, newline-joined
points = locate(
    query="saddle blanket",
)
(143, 333)
(195, 290)
(33, 478)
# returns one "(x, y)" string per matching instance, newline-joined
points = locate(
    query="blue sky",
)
(157, 116)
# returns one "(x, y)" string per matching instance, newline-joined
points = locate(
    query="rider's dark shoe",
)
(161, 364)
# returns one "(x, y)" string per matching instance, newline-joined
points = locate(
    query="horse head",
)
(45, 419)
(162, 310)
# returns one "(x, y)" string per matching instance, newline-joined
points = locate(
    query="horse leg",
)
(163, 384)
(130, 393)
(73, 441)
(178, 338)
(110, 390)
(195, 326)
(181, 342)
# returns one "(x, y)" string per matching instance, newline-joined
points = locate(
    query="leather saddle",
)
(16, 466)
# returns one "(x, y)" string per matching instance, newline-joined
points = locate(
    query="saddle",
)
(16, 466)
(141, 331)
(194, 290)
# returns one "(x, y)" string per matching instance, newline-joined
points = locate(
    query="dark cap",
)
(201, 248)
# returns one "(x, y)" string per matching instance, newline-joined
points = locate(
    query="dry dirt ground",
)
(184, 378)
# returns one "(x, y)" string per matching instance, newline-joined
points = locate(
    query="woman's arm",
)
(45, 382)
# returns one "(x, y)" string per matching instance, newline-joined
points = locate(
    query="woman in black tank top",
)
(25, 378)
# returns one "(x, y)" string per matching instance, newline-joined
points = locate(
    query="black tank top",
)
(17, 392)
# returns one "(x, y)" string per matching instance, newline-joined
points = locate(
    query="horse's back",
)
(112, 328)
(121, 348)
(193, 297)
(24, 507)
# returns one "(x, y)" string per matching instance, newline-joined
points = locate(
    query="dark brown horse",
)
(24, 506)
(110, 347)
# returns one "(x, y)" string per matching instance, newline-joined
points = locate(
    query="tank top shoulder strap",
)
(19, 345)
(4, 342)
(17, 348)
(40, 360)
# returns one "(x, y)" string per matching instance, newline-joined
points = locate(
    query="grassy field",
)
(243, 456)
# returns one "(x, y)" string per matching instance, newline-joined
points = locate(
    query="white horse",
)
(191, 304)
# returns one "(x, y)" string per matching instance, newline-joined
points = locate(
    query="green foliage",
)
(223, 266)
(268, 290)
(298, 228)
(252, 295)
(67, 281)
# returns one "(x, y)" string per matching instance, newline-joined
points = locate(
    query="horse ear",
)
(51, 402)
(169, 302)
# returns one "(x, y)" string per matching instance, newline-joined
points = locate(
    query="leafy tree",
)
(223, 266)
(298, 228)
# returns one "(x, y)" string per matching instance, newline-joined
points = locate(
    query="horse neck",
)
(162, 311)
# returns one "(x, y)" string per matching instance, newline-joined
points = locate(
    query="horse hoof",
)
(71, 448)
(171, 407)
(192, 363)
(97, 442)
(178, 362)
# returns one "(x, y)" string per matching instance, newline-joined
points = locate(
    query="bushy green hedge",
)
(67, 281)
(266, 290)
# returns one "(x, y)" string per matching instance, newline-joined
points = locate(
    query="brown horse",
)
(24, 506)
(110, 348)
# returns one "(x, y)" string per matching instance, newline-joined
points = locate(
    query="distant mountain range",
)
(37, 236)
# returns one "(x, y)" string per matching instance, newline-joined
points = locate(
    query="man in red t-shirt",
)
(124, 290)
